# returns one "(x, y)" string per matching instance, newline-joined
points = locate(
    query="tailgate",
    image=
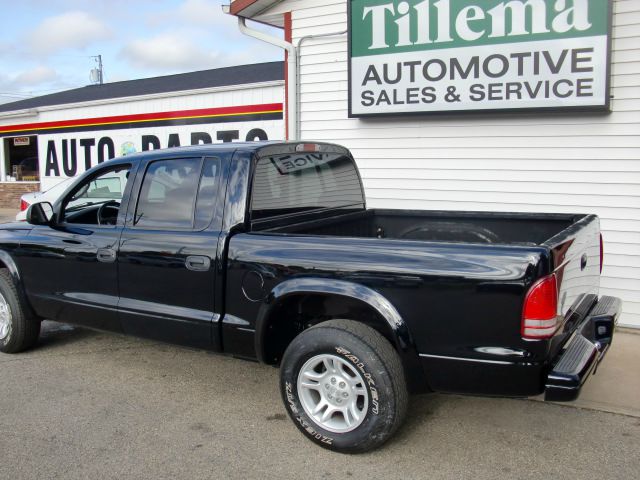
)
(576, 257)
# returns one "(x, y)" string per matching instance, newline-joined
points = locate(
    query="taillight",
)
(601, 253)
(23, 205)
(540, 311)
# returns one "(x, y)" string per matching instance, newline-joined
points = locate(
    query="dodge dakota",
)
(267, 251)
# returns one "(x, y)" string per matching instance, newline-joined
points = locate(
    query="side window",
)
(105, 190)
(174, 195)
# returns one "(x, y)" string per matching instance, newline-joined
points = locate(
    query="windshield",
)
(59, 188)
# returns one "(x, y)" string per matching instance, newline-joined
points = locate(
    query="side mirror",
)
(40, 213)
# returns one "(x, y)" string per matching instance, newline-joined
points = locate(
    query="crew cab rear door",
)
(168, 251)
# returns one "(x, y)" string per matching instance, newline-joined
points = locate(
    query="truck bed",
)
(438, 226)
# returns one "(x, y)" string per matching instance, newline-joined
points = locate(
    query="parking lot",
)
(94, 405)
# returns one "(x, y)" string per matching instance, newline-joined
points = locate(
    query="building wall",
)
(537, 162)
(11, 192)
(237, 96)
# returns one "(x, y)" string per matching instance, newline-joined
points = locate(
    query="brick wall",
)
(10, 193)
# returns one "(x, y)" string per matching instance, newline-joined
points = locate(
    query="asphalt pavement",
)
(89, 405)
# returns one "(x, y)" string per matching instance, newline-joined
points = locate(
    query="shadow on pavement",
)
(54, 335)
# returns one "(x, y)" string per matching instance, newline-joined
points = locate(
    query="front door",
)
(71, 267)
(167, 255)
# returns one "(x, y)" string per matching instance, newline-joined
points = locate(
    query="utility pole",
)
(97, 74)
(100, 76)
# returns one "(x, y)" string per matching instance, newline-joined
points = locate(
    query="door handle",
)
(106, 255)
(197, 263)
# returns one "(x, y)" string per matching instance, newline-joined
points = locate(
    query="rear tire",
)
(343, 386)
(19, 329)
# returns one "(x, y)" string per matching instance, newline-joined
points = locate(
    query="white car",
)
(50, 195)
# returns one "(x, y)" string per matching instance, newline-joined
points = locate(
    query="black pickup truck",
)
(266, 251)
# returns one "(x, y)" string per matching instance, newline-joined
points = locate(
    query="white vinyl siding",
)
(537, 162)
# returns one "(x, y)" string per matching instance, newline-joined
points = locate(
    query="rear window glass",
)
(294, 183)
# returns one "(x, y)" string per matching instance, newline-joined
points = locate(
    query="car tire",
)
(19, 329)
(343, 386)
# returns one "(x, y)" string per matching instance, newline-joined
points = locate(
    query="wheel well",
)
(19, 287)
(295, 314)
(6, 266)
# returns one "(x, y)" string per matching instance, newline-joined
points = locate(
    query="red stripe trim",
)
(147, 117)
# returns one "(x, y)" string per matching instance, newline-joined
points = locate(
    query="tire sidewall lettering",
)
(299, 418)
(371, 384)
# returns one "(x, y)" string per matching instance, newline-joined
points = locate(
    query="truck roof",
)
(262, 148)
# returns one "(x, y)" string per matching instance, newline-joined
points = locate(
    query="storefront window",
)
(21, 159)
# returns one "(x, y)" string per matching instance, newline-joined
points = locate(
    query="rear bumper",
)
(583, 352)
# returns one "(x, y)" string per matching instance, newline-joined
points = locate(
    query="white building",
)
(48, 138)
(584, 159)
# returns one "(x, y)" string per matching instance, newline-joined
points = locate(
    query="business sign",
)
(69, 154)
(67, 148)
(422, 56)
(21, 141)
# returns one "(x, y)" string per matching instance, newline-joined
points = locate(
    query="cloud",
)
(168, 51)
(73, 30)
(191, 13)
(201, 12)
(195, 35)
(36, 76)
(18, 86)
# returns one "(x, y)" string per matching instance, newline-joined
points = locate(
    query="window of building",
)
(21, 159)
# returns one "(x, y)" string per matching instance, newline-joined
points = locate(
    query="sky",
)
(48, 45)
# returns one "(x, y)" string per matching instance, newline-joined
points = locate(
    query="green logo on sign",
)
(383, 26)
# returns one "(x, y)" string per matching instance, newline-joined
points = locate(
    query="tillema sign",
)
(423, 56)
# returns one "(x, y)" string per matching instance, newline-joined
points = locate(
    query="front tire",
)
(343, 386)
(19, 330)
